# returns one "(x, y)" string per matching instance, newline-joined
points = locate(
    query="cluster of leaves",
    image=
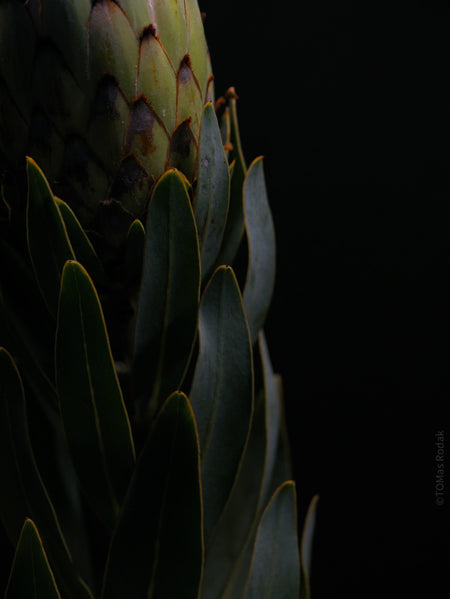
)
(176, 455)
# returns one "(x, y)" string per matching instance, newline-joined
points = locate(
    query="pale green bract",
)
(104, 96)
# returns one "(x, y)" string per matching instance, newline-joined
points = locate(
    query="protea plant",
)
(143, 449)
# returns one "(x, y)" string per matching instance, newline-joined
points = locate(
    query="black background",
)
(345, 101)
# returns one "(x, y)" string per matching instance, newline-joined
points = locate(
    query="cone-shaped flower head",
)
(105, 95)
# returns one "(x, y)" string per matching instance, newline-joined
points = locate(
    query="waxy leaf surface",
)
(235, 222)
(31, 575)
(48, 241)
(134, 252)
(261, 244)
(211, 202)
(92, 407)
(272, 416)
(222, 390)
(157, 548)
(275, 569)
(82, 247)
(166, 320)
(229, 550)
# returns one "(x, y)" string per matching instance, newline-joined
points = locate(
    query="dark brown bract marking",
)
(149, 31)
(131, 175)
(182, 139)
(105, 101)
(185, 71)
(141, 124)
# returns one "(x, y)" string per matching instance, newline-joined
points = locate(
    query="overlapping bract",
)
(105, 96)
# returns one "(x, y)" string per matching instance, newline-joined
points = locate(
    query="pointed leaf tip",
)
(48, 242)
(212, 191)
(260, 230)
(222, 390)
(275, 568)
(92, 406)
(167, 311)
(31, 574)
(159, 530)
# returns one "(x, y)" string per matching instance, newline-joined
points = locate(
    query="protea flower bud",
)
(105, 96)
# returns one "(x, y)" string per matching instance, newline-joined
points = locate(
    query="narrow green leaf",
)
(275, 569)
(166, 320)
(28, 332)
(157, 550)
(306, 548)
(222, 390)
(212, 192)
(31, 575)
(282, 467)
(82, 246)
(23, 493)
(134, 253)
(261, 243)
(234, 230)
(92, 407)
(229, 550)
(272, 409)
(48, 242)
